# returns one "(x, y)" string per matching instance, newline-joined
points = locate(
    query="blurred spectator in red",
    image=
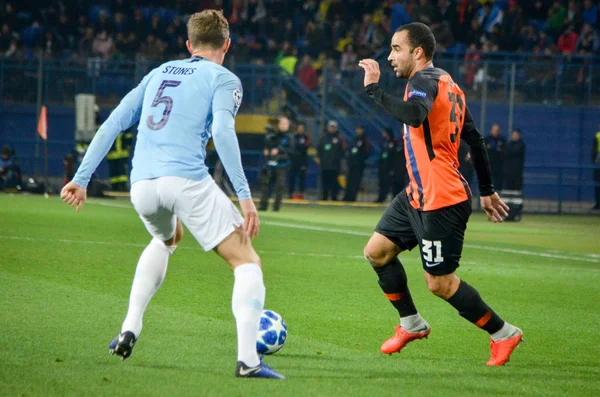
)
(567, 41)
(307, 73)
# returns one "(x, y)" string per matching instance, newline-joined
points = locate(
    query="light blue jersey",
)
(180, 106)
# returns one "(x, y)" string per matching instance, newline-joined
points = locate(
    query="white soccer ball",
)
(272, 333)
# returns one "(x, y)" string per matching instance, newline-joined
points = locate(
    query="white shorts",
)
(202, 207)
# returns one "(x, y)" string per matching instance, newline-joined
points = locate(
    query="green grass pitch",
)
(65, 279)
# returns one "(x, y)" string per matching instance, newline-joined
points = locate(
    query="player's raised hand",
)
(251, 222)
(74, 195)
(372, 72)
(494, 207)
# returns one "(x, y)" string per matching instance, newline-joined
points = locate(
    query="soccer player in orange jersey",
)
(433, 210)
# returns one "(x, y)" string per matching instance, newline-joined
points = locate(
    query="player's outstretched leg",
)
(504, 336)
(149, 275)
(247, 303)
(382, 255)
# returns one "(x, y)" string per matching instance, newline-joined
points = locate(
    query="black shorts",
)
(439, 233)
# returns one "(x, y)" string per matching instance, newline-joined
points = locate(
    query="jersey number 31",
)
(158, 99)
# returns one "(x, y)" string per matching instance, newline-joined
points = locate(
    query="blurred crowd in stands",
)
(284, 31)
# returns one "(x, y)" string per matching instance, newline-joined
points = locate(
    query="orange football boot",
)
(502, 349)
(402, 338)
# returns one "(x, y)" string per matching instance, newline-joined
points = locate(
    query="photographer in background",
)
(331, 149)
(514, 161)
(10, 172)
(387, 162)
(299, 159)
(596, 162)
(357, 159)
(277, 154)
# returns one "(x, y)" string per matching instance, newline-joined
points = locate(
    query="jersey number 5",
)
(167, 100)
(456, 114)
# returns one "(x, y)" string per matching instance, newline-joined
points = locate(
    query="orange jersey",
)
(432, 148)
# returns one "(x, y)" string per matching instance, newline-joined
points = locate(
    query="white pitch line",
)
(316, 228)
(591, 258)
(474, 246)
(120, 244)
(283, 253)
(525, 252)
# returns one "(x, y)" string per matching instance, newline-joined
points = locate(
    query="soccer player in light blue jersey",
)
(180, 105)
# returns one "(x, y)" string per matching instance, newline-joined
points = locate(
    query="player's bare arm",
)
(491, 203)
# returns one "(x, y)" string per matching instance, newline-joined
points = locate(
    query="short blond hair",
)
(208, 28)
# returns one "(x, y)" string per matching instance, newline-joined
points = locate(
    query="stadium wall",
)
(555, 136)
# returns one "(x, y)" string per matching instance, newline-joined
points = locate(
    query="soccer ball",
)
(272, 333)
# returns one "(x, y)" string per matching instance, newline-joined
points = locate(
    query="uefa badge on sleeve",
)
(237, 97)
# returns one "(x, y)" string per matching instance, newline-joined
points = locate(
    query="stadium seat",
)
(95, 11)
(147, 12)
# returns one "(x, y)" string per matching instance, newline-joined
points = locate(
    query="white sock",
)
(414, 323)
(149, 275)
(507, 331)
(247, 304)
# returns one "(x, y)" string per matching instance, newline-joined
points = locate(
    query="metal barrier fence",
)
(562, 92)
(531, 78)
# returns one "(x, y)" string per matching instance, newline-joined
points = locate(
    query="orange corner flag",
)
(42, 127)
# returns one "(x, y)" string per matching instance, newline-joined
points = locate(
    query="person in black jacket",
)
(514, 162)
(331, 149)
(400, 179)
(10, 172)
(299, 158)
(495, 144)
(387, 162)
(277, 154)
(596, 162)
(357, 159)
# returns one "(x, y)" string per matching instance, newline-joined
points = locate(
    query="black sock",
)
(393, 282)
(469, 304)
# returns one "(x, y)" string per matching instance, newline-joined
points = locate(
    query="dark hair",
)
(389, 131)
(6, 150)
(419, 35)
